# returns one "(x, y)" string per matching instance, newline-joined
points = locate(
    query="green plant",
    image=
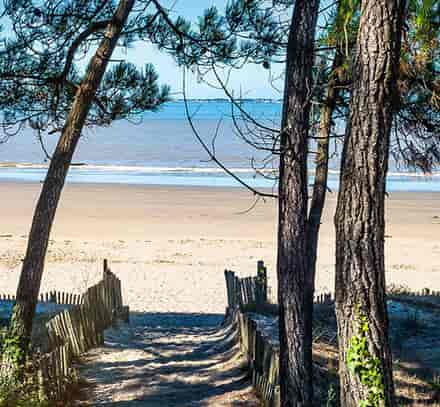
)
(331, 397)
(12, 349)
(22, 394)
(19, 391)
(364, 365)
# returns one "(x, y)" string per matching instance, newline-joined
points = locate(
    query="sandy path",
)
(167, 360)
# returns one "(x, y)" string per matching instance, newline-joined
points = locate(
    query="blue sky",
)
(252, 81)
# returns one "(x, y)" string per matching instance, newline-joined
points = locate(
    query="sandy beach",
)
(170, 245)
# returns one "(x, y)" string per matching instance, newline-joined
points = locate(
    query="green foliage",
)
(40, 73)
(364, 365)
(25, 394)
(418, 118)
(342, 30)
(249, 31)
(425, 16)
(15, 345)
(127, 90)
(21, 387)
(12, 349)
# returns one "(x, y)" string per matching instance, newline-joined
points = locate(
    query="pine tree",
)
(365, 366)
(265, 43)
(295, 296)
(42, 88)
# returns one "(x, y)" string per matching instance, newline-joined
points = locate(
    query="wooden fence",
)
(252, 292)
(78, 329)
(263, 359)
(262, 353)
(245, 294)
(56, 297)
(248, 290)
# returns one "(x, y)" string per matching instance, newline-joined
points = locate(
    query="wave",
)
(22, 165)
(183, 170)
(134, 168)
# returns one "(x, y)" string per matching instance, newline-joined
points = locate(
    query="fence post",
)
(261, 283)
(105, 267)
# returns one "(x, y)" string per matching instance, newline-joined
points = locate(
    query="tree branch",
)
(209, 152)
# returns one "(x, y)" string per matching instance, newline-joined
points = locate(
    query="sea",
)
(160, 148)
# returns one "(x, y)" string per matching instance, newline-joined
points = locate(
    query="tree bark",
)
(33, 263)
(359, 219)
(321, 171)
(296, 306)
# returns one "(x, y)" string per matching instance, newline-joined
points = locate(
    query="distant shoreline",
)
(223, 100)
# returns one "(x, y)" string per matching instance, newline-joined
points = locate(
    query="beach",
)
(170, 245)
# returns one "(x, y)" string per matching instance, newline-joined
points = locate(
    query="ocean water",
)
(162, 150)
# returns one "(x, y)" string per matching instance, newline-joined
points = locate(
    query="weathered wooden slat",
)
(77, 329)
(229, 288)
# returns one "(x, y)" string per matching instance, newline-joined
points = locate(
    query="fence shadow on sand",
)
(168, 359)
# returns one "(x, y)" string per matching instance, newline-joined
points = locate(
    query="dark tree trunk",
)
(296, 306)
(33, 264)
(359, 220)
(321, 171)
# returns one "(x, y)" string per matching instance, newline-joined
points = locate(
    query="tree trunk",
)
(321, 171)
(33, 263)
(296, 308)
(359, 219)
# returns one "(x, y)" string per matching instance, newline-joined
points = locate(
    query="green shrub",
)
(24, 394)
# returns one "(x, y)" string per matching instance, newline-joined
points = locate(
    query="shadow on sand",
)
(168, 359)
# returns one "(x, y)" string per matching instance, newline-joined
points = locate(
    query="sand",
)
(170, 245)
(167, 360)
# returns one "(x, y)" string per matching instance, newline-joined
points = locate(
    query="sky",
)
(251, 81)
